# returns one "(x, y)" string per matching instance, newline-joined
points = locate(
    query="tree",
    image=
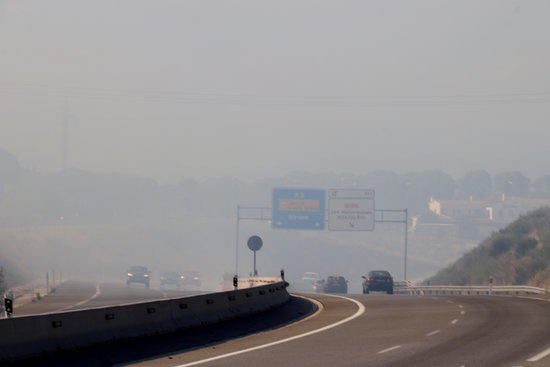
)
(2, 281)
(477, 184)
(10, 170)
(512, 184)
(541, 186)
(423, 185)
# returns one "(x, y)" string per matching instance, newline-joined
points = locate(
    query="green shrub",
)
(500, 246)
(519, 253)
(525, 246)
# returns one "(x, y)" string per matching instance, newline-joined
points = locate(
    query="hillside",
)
(518, 254)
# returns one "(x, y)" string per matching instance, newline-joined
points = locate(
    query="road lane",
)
(402, 331)
(394, 331)
(74, 295)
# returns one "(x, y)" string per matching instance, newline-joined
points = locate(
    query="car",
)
(378, 281)
(308, 282)
(170, 278)
(191, 279)
(335, 284)
(139, 274)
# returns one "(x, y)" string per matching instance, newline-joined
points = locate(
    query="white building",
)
(459, 209)
(505, 210)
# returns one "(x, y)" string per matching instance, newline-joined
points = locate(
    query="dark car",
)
(191, 279)
(335, 284)
(139, 274)
(170, 278)
(378, 281)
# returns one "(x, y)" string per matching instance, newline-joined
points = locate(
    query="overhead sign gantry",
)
(306, 209)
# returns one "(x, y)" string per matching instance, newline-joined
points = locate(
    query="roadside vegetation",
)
(517, 254)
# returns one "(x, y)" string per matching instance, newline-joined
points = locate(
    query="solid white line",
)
(96, 294)
(320, 309)
(535, 298)
(454, 321)
(360, 311)
(539, 356)
(389, 349)
(433, 333)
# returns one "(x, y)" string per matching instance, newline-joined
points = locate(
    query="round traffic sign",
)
(255, 243)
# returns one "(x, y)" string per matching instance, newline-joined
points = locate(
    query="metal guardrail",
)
(431, 290)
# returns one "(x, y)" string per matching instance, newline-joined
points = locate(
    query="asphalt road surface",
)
(78, 295)
(374, 330)
(393, 331)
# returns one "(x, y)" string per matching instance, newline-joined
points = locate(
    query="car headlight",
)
(182, 277)
(130, 274)
(196, 278)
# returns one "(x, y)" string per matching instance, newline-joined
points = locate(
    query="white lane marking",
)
(360, 311)
(433, 333)
(540, 356)
(320, 309)
(95, 295)
(536, 298)
(451, 302)
(462, 312)
(454, 321)
(460, 306)
(389, 349)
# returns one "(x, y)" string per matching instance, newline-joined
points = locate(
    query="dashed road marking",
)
(389, 349)
(539, 356)
(433, 333)
(462, 312)
(454, 321)
(460, 306)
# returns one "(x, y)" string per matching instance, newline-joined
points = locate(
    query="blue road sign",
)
(298, 209)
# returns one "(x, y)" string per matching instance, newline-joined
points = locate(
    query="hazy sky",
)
(173, 88)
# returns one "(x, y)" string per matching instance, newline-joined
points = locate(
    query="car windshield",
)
(379, 273)
(138, 269)
(336, 279)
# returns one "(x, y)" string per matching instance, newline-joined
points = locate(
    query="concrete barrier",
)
(27, 336)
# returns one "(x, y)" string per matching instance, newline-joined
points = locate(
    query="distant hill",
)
(518, 254)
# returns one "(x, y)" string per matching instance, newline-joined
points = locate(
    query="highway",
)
(396, 331)
(373, 330)
(74, 295)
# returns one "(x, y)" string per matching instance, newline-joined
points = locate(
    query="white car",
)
(308, 282)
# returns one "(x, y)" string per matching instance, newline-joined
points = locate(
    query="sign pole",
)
(255, 243)
(237, 241)
(255, 270)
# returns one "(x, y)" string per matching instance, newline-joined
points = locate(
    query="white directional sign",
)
(351, 210)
